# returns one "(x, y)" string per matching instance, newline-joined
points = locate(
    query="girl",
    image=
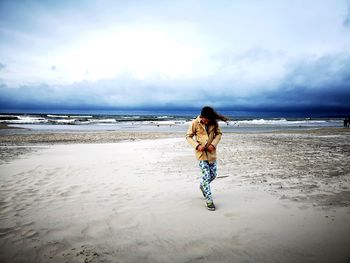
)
(207, 134)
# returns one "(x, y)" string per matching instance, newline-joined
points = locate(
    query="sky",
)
(259, 56)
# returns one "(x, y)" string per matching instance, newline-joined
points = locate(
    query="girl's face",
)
(204, 120)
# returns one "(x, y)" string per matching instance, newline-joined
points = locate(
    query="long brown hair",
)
(212, 115)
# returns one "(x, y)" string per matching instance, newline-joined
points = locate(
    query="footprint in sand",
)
(29, 233)
(5, 231)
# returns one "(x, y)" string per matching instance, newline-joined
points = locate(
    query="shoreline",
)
(4, 126)
(82, 137)
(16, 145)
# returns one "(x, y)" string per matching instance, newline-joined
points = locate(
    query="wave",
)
(60, 121)
(22, 119)
(155, 120)
(102, 121)
(57, 116)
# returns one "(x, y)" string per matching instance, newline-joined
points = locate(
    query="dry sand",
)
(280, 197)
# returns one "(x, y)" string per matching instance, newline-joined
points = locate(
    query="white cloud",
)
(108, 53)
(135, 52)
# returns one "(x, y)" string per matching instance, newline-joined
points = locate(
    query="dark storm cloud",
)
(323, 82)
(319, 85)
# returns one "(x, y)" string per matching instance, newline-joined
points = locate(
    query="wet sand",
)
(280, 197)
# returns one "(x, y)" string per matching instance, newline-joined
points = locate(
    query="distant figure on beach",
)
(207, 134)
(347, 122)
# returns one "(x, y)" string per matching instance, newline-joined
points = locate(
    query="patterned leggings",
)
(208, 175)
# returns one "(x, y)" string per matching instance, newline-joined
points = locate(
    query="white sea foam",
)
(8, 116)
(26, 120)
(67, 121)
(102, 121)
(57, 116)
(131, 117)
(81, 116)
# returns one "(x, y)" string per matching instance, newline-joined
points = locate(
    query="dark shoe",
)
(211, 206)
(201, 187)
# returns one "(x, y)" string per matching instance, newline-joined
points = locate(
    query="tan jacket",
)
(202, 137)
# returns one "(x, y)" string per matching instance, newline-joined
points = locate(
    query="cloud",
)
(235, 55)
(311, 85)
(346, 21)
(147, 37)
(321, 84)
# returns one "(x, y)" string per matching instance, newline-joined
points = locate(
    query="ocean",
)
(162, 121)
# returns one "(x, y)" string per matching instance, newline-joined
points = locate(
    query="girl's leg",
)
(205, 183)
(213, 171)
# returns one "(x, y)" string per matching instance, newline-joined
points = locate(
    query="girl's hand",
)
(211, 148)
(201, 148)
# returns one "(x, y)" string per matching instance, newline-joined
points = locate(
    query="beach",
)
(134, 197)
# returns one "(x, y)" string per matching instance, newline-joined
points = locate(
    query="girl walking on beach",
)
(207, 133)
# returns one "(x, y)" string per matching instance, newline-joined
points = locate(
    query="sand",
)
(15, 144)
(280, 197)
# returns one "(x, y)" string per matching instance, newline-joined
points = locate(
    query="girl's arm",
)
(189, 135)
